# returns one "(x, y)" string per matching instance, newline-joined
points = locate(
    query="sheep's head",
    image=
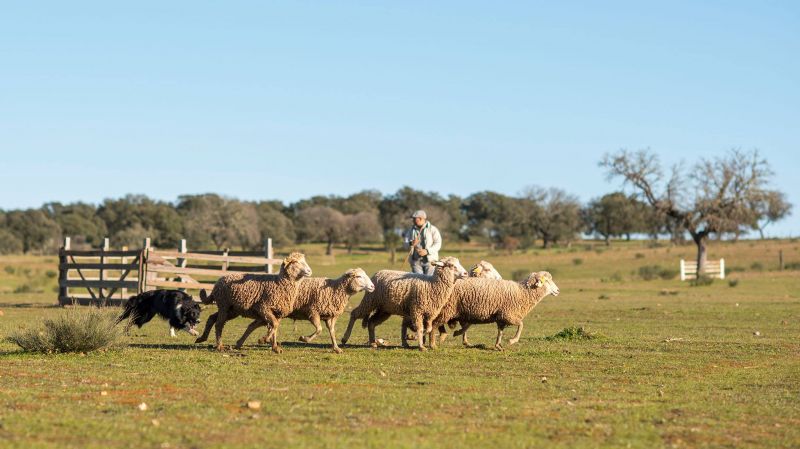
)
(452, 264)
(358, 280)
(295, 266)
(542, 279)
(484, 269)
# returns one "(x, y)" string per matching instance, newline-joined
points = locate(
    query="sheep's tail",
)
(205, 298)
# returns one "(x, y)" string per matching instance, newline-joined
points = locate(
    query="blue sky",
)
(262, 100)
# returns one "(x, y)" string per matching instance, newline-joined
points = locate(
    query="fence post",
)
(722, 268)
(102, 275)
(683, 270)
(225, 262)
(181, 262)
(268, 254)
(123, 292)
(63, 273)
(780, 260)
(146, 254)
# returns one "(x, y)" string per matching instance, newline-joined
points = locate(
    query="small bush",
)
(8, 269)
(639, 256)
(24, 288)
(599, 250)
(668, 273)
(603, 297)
(577, 261)
(73, 330)
(735, 269)
(649, 272)
(520, 275)
(615, 277)
(50, 274)
(572, 333)
(791, 266)
(668, 292)
(757, 266)
(733, 283)
(702, 281)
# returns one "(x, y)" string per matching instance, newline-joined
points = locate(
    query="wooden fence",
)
(714, 269)
(106, 277)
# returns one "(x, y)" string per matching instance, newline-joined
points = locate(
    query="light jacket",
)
(430, 240)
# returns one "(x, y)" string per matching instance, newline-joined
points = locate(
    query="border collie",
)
(182, 312)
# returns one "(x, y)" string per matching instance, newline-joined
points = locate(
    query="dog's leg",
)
(250, 328)
(314, 318)
(172, 332)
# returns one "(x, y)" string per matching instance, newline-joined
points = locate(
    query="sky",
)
(285, 100)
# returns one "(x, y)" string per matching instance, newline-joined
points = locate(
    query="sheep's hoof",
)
(337, 350)
(423, 348)
(373, 345)
(200, 340)
(220, 347)
(382, 342)
(512, 342)
(499, 348)
(237, 347)
(442, 338)
(277, 349)
(411, 337)
(262, 340)
(304, 339)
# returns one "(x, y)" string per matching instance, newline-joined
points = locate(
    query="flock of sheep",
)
(452, 295)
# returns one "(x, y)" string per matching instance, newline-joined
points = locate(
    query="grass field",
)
(673, 366)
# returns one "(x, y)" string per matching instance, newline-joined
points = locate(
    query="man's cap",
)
(419, 213)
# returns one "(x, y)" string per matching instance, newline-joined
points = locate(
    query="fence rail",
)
(108, 275)
(714, 269)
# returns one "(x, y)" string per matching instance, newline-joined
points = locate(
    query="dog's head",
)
(187, 314)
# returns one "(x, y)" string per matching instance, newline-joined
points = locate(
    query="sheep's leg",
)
(331, 323)
(516, 336)
(464, 341)
(349, 329)
(420, 331)
(497, 344)
(250, 328)
(374, 321)
(265, 338)
(273, 322)
(221, 319)
(210, 322)
(317, 326)
(442, 333)
(404, 335)
(429, 333)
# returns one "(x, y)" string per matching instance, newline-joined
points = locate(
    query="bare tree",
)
(773, 207)
(361, 227)
(715, 196)
(320, 223)
(555, 214)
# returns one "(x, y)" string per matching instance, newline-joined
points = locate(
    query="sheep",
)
(267, 297)
(479, 301)
(321, 298)
(416, 296)
(482, 269)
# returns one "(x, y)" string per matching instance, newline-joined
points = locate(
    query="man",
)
(423, 241)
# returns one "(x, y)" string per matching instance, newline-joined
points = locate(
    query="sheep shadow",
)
(169, 346)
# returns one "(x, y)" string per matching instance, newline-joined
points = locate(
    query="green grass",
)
(679, 370)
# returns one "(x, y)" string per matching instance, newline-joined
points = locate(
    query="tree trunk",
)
(545, 243)
(394, 254)
(608, 240)
(701, 240)
(329, 249)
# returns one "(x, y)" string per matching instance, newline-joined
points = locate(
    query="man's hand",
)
(422, 252)
(414, 242)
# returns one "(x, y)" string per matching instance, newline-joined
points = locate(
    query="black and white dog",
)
(177, 307)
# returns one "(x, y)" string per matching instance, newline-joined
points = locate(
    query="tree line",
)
(537, 216)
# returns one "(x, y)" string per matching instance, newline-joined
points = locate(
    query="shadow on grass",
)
(27, 305)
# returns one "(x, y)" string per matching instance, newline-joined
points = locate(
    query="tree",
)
(9, 243)
(555, 215)
(320, 223)
(274, 224)
(392, 241)
(224, 222)
(35, 229)
(613, 215)
(79, 221)
(361, 227)
(160, 220)
(719, 194)
(495, 217)
(771, 208)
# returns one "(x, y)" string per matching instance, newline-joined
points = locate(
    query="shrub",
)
(649, 272)
(26, 288)
(520, 275)
(702, 281)
(615, 277)
(603, 297)
(735, 269)
(668, 273)
(50, 274)
(733, 283)
(639, 256)
(757, 266)
(572, 333)
(791, 266)
(73, 330)
(577, 261)
(8, 269)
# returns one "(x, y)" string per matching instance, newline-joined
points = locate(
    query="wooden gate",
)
(109, 277)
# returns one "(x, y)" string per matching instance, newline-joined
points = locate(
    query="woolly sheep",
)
(321, 298)
(479, 301)
(482, 269)
(266, 297)
(416, 296)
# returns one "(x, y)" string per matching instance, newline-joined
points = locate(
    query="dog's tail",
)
(129, 313)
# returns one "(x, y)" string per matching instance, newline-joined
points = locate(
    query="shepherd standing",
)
(423, 241)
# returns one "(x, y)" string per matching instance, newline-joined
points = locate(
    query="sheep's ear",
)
(535, 281)
(438, 263)
(477, 270)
